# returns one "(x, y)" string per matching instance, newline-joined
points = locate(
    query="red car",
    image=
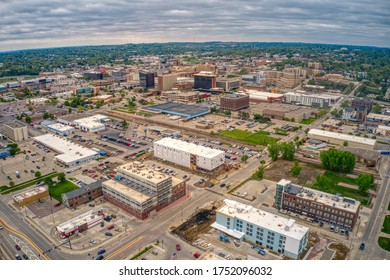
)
(178, 248)
(196, 255)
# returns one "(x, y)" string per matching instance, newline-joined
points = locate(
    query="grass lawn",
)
(60, 188)
(386, 225)
(334, 188)
(6, 190)
(384, 243)
(259, 138)
(307, 121)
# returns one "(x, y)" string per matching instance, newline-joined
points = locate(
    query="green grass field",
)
(62, 187)
(307, 121)
(386, 225)
(258, 138)
(384, 243)
(7, 190)
(334, 188)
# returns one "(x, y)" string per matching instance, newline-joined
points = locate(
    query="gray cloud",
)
(45, 23)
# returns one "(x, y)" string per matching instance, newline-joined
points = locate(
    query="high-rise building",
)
(166, 82)
(228, 83)
(146, 79)
(15, 131)
(205, 80)
(357, 102)
(142, 191)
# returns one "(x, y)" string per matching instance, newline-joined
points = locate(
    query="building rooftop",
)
(15, 124)
(307, 94)
(234, 96)
(143, 173)
(70, 151)
(28, 193)
(83, 188)
(60, 127)
(335, 200)
(189, 147)
(86, 217)
(341, 136)
(365, 154)
(184, 110)
(127, 191)
(262, 94)
(378, 117)
(283, 226)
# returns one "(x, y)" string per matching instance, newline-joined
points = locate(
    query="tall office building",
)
(205, 80)
(166, 82)
(15, 131)
(146, 79)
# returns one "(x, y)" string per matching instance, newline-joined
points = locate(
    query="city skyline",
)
(44, 24)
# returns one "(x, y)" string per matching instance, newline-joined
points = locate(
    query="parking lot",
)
(260, 192)
(44, 207)
(35, 159)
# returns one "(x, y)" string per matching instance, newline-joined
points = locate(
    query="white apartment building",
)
(273, 232)
(313, 100)
(188, 154)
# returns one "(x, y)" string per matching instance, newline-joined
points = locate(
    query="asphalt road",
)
(374, 226)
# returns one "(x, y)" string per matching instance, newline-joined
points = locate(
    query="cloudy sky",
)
(28, 24)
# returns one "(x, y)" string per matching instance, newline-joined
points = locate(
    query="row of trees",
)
(338, 161)
(286, 150)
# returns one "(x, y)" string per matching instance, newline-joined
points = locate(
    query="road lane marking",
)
(124, 248)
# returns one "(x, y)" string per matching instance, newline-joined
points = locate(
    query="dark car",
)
(102, 251)
(222, 185)
(108, 234)
(25, 257)
(17, 247)
(100, 257)
(18, 257)
(361, 247)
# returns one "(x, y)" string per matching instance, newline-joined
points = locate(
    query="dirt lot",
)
(280, 169)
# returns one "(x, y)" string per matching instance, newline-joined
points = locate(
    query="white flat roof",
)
(28, 193)
(60, 127)
(323, 96)
(87, 217)
(255, 93)
(143, 173)
(341, 136)
(70, 151)
(378, 117)
(283, 226)
(189, 147)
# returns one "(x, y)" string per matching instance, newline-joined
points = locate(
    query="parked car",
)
(102, 251)
(178, 248)
(108, 234)
(17, 247)
(196, 255)
(361, 247)
(18, 257)
(25, 257)
(110, 227)
(100, 257)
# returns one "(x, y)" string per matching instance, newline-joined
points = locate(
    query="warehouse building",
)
(15, 131)
(61, 129)
(31, 195)
(92, 124)
(70, 154)
(312, 100)
(179, 109)
(189, 154)
(276, 233)
(334, 210)
(339, 138)
(142, 191)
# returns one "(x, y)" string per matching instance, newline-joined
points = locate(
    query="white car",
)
(92, 241)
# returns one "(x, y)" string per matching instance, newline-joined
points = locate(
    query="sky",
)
(27, 24)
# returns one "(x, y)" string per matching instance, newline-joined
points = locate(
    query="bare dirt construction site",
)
(198, 224)
(280, 169)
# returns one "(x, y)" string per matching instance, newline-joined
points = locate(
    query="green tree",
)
(48, 181)
(244, 158)
(46, 115)
(12, 184)
(273, 150)
(125, 124)
(377, 109)
(259, 174)
(322, 182)
(345, 143)
(295, 169)
(142, 102)
(287, 150)
(344, 104)
(307, 131)
(260, 118)
(28, 119)
(365, 182)
(37, 174)
(61, 177)
(338, 161)
(228, 113)
(99, 103)
(262, 162)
